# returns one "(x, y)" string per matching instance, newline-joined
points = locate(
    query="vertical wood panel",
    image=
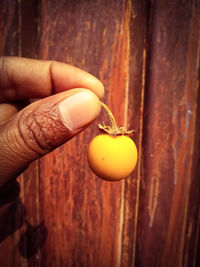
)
(168, 218)
(20, 216)
(99, 42)
(9, 28)
(138, 22)
(11, 208)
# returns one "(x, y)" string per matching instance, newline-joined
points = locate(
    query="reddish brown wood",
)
(9, 28)
(19, 37)
(147, 56)
(92, 225)
(138, 23)
(168, 223)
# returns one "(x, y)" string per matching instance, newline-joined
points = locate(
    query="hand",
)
(70, 103)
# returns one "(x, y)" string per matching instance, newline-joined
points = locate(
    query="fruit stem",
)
(114, 127)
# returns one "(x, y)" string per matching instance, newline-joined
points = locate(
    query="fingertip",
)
(97, 86)
(100, 90)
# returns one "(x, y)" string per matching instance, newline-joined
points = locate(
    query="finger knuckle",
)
(39, 129)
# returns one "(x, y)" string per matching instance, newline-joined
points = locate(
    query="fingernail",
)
(79, 109)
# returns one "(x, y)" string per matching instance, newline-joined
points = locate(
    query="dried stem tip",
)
(113, 129)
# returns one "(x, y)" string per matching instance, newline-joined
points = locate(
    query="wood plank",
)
(11, 208)
(19, 37)
(94, 208)
(83, 213)
(169, 219)
(9, 28)
(138, 25)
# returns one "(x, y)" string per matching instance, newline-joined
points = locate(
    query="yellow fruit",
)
(112, 157)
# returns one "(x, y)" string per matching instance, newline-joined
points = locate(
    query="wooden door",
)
(146, 53)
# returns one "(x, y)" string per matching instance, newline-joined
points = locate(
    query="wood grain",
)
(168, 218)
(19, 35)
(93, 208)
(147, 56)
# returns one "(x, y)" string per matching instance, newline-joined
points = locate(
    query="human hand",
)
(70, 102)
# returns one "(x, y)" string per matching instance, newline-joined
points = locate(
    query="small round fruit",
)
(112, 157)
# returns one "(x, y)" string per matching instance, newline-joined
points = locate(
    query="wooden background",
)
(146, 53)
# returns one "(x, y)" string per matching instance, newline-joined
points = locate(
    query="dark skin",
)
(69, 102)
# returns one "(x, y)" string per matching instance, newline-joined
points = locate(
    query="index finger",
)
(22, 78)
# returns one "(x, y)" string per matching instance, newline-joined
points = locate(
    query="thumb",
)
(43, 126)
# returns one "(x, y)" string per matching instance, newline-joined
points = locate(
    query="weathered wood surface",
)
(168, 222)
(147, 56)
